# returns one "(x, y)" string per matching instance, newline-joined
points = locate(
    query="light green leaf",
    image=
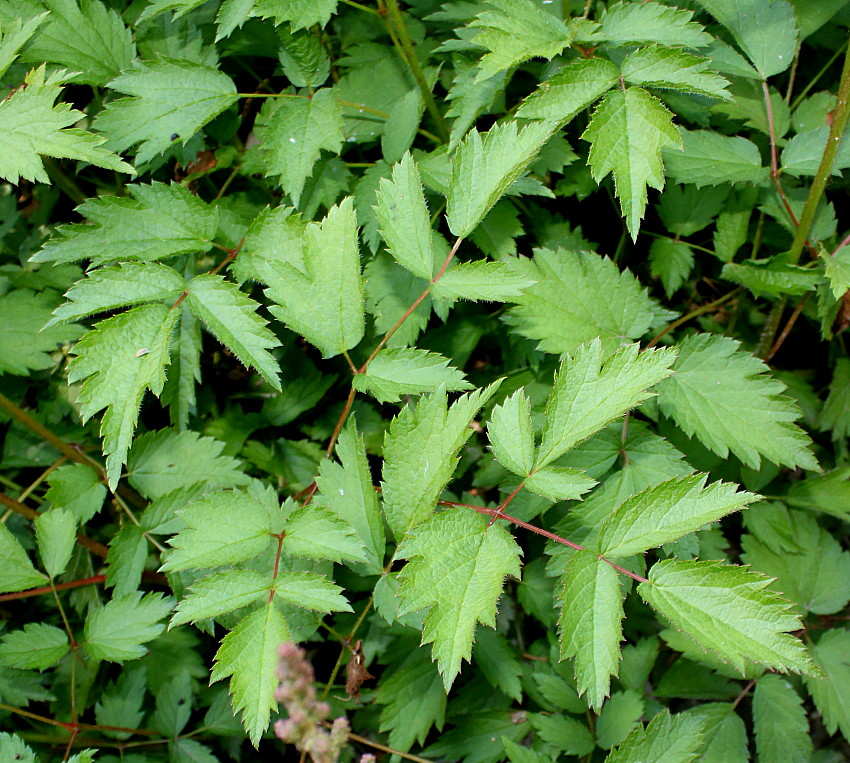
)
(802, 154)
(780, 722)
(401, 371)
(56, 534)
(118, 360)
(484, 168)
(311, 591)
(165, 98)
(117, 631)
(590, 623)
(470, 97)
(14, 36)
(831, 691)
(572, 89)
(322, 297)
(836, 268)
(772, 277)
(514, 31)
(725, 736)
(627, 132)
(668, 511)
(457, 567)
(179, 390)
(666, 739)
(159, 221)
(302, 14)
(559, 483)
(303, 58)
(78, 488)
(481, 281)
(727, 610)
(403, 217)
(674, 69)
(725, 397)
(421, 453)
(37, 647)
(276, 236)
(710, 158)
(619, 716)
(231, 317)
(128, 552)
(672, 262)
(31, 127)
(248, 656)
(320, 533)
(563, 733)
(629, 23)
(511, 433)
(828, 492)
(157, 7)
(14, 748)
(222, 528)
(219, 594)
(590, 391)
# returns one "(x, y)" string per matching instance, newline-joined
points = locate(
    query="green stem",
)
(64, 182)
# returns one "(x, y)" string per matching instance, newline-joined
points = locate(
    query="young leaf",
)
(159, 221)
(591, 391)
(219, 594)
(725, 397)
(627, 133)
(36, 647)
(407, 371)
(167, 98)
(672, 68)
(727, 610)
(420, 454)
(629, 23)
(31, 126)
(119, 359)
(666, 739)
(311, 591)
(318, 533)
(831, 691)
(231, 317)
(559, 483)
(483, 169)
(457, 566)
(710, 158)
(322, 299)
(56, 534)
(511, 433)
(117, 631)
(780, 722)
(248, 656)
(490, 281)
(591, 623)
(666, 512)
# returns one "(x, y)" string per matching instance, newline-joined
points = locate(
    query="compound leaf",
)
(219, 594)
(311, 591)
(14, 36)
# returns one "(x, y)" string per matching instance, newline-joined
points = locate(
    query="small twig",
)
(693, 314)
(787, 330)
(744, 692)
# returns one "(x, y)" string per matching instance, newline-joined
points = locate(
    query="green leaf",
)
(835, 414)
(319, 533)
(590, 623)
(727, 610)
(802, 154)
(627, 133)
(118, 360)
(295, 132)
(710, 158)
(311, 591)
(514, 31)
(780, 722)
(159, 221)
(14, 36)
(519, 754)
(490, 281)
(572, 89)
(470, 97)
(831, 691)
(421, 452)
(78, 488)
(668, 511)
(302, 14)
(117, 631)
(619, 716)
(725, 736)
(37, 646)
(303, 58)
(629, 23)
(174, 703)
(179, 390)
(672, 262)
(498, 662)
(31, 126)
(772, 277)
(666, 739)
(511, 433)
(674, 69)
(165, 98)
(829, 493)
(725, 397)
(565, 734)
(766, 30)
(559, 483)
(120, 704)
(457, 567)
(484, 169)
(222, 528)
(577, 297)
(401, 371)
(590, 391)
(248, 656)
(219, 594)
(14, 748)
(836, 268)
(321, 297)
(403, 217)
(56, 535)
(128, 552)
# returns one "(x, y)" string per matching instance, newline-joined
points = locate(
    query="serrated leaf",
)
(118, 360)
(222, 528)
(219, 594)
(303, 58)
(322, 297)
(671, 261)
(14, 748)
(831, 691)
(469, 97)
(179, 390)
(31, 126)
(727, 610)
(56, 534)
(514, 31)
(577, 297)
(835, 414)
(498, 661)
(725, 736)
(117, 631)
(159, 221)
(772, 277)
(302, 14)
(484, 168)
(166, 98)
(14, 36)
(621, 713)
(511, 433)
(837, 270)
(666, 739)
(725, 397)
(457, 566)
(559, 483)
(174, 702)
(36, 647)
(78, 488)
(780, 722)
(572, 89)
(563, 733)
(128, 552)
(120, 703)
(590, 391)
(627, 133)
(311, 591)
(672, 68)
(319, 533)
(668, 511)
(630, 23)
(420, 454)
(248, 656)
(481, 281)
(710, 158)
(802, 154)
(394, 373)
(590, 623)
